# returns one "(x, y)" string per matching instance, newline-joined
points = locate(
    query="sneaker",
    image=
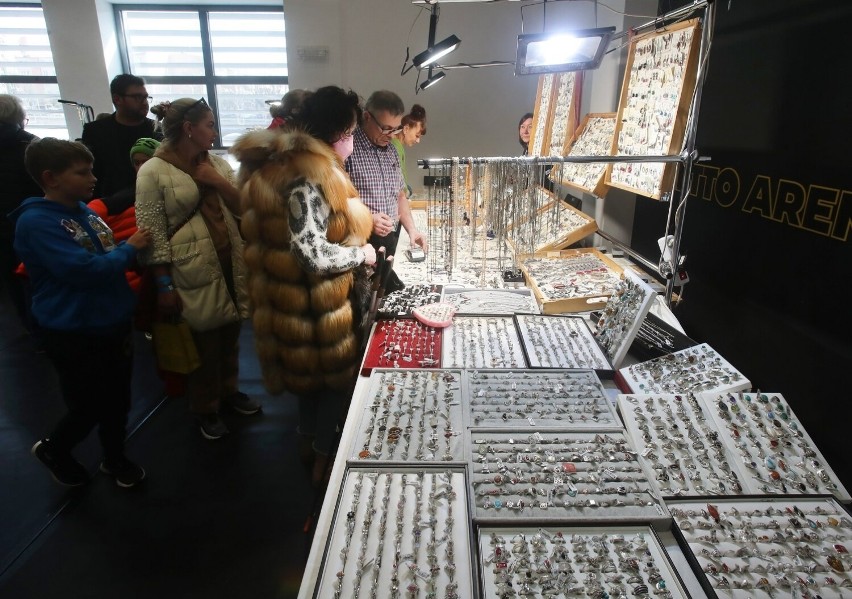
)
(242, 403)
(212, 427)
(126, 473)
(64, 468)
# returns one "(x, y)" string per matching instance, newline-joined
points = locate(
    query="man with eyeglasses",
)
(111, 138)
(375, 171)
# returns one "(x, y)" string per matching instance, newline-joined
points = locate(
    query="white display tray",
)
(777, 452)
(696, 369)
(581, 561)
(560, 476)
(411, 415)
(561, 342)
(538, 399)
(766, 548)
(623, 315)
(482, 342)
(490, 301)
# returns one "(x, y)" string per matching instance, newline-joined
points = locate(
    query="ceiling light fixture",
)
(432, 80)
(436, 51)
(557, 52)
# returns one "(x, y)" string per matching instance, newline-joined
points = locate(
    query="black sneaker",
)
(212, 427)
(126, 473)
(64, 468)
(242, 403)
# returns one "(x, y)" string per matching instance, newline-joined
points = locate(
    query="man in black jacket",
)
(110, 139)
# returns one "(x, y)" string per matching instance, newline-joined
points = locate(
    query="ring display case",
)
(623, 315)
(399, 534)
(412, 416)
(490, 301)
(399, 304)
(590, 477)
(540, 134)
(587, 561)
(405, 343)
(564, 109)
(697, 369)
(593, 137)
(561, 342)
(765, 548)
(521, 399)
(483, 342)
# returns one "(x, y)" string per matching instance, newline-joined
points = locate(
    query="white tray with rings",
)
(490, 301)
(400, 533)
(561, 342)
(411, 415)
(623, 315)
(560, 476)
(482, 342)
(767, 548)
(587, 561)
(538, 399)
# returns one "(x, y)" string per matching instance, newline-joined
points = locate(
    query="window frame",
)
(209, 80)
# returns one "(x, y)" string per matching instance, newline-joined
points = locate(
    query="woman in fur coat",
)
(307, 241)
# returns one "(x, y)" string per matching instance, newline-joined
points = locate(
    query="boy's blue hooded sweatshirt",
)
(75, 268)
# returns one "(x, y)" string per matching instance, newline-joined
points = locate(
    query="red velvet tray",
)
(393, 341)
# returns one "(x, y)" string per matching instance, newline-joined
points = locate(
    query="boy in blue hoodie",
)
(83, 306)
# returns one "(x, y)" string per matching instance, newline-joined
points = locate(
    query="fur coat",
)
(305, 313)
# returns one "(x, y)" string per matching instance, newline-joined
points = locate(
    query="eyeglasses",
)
(138, 97)
(194, 105)
(385, 129)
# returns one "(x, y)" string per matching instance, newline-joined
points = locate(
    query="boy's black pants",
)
(94, 375)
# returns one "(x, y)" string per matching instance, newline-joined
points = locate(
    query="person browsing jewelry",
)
(413, 128)
(524, 132)
(186, 197)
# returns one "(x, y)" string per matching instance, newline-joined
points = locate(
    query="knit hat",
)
(144, 145)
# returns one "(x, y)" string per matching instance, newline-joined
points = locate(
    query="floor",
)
(214, 519)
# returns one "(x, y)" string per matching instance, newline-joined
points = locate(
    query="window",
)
(27, 72)
(235, 58)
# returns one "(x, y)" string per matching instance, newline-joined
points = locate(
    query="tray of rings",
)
(400, 304)
(776, 452)
(399, 534)
(696, 369)
(762, 548)
(482, 342)
(570, 477)
(561, 342)
(402, 343)
(540, 399)
(489, 301)
(680, 444)
(623, 315)
(411, 416)
(577, 561)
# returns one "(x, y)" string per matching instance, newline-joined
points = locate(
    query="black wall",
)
(768, 233)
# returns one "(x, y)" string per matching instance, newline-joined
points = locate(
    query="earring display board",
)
(657, 338)
(399, 534)
(570, 280)
(489, 301)
(697, 369)
(623, 315)
(561, 342)
(767, 548)
(776, 450)
(410, 417)
(653, 109)
(399, 304)
(593, 137)
(402, 343)
(680, 444)
(593, 477)
(521, 399)
(581, 561)
(563, 113)
(483, 342)
(540, 135)
(555, 225)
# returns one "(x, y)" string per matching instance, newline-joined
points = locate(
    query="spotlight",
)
(579, 50)
(436, 51)
(432, 80)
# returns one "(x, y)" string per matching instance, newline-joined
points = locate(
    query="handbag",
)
(174, 347)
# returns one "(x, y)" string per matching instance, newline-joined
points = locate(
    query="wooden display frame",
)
(563, 114)
(577, 304)
(540, 135)
(550, 243)
(654, 105)
(594, 137)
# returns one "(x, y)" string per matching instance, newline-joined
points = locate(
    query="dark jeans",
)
(389, 242)
(94, 375)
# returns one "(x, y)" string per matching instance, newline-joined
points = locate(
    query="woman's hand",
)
(140, 239)
(205, 174)
(369, 254)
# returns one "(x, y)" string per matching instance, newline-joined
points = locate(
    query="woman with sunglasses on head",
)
(307, 241)
(413, 128)
(186, 197)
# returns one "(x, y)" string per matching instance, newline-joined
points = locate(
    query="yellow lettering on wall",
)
(821, 204)
(759, 198)
(727, 187)
(843, 218)
(789, 202)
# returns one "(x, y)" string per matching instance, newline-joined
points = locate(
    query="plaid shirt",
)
(376, 174)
